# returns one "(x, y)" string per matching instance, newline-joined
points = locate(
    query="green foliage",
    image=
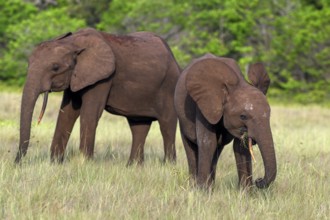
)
(299, 53)
(24, 35)
(290, 37)
(88, 10)
(12, 12)
(166, 18)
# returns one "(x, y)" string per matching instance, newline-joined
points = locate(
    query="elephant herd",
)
(137, 76)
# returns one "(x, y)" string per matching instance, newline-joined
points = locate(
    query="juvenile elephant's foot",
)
(206, 187)
(245, 183)
(205, 183)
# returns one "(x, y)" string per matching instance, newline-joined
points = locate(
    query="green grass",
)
(105, 189)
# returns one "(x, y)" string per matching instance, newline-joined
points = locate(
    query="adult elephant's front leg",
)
(68, 114)
(243, 163)
(93, 104)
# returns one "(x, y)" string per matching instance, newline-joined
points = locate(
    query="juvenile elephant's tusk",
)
(250, 149)
(44, 104)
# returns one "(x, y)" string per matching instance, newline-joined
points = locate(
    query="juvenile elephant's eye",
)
(243, 117)
(55, 67)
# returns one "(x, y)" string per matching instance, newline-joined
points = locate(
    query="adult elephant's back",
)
(145, 77)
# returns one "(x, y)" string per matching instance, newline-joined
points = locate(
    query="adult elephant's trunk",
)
(29, 98)
(266, 146)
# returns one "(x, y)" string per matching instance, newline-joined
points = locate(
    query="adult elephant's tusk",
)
(250, 149)
(44, 104)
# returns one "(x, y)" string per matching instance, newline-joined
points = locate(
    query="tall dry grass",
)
(105, 189)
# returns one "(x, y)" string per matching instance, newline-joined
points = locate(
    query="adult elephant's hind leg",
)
(139, 131)
(168, 130)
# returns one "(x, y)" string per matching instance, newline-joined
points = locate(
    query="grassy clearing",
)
(105, 189)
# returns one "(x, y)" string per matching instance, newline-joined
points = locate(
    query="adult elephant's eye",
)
(55, 67)
(243, 117)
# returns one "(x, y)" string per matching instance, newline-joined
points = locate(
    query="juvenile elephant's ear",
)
(95, 59)
(207, 83)
(258, 77)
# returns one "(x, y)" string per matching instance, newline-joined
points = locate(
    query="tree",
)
(24, 35)
(90, 11)
(165, 18)
(13, 12)
(299, 56)
(290, 37)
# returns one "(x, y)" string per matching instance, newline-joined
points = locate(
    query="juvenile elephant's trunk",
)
(266, 146)
(29, 98)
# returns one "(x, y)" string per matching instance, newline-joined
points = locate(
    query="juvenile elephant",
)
(215, 105)
(133, 76)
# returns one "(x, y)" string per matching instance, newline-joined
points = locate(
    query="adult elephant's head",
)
(72, 61)
(220, 91)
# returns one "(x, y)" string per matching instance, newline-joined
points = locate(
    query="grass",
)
(105, 189)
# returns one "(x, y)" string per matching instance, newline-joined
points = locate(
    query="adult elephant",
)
(215, 105)
(133, 76)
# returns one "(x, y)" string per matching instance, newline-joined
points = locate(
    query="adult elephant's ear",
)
(63, 36)
(95, 59)
(208, 81)
(258, 76)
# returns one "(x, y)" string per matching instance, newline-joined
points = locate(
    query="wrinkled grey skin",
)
(132, 75)
(215, 105)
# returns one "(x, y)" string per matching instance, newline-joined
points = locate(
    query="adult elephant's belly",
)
(133, 100)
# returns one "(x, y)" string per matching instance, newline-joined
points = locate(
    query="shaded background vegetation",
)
(291, 37)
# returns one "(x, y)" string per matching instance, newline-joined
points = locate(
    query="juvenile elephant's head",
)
(73, 60)
(220, 92)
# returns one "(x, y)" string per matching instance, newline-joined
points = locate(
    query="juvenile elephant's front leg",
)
(68, 114)
(207, 145)
(243, 163)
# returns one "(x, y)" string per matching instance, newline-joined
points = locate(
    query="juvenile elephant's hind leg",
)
(69, 112)
(215, 161)
(139, 131)
(192, 153)
(168, 130)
